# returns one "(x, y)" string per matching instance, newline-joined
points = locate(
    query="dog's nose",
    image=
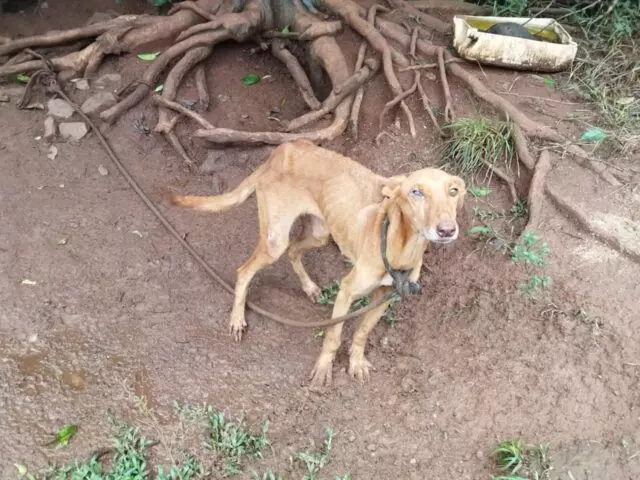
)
(446, 230)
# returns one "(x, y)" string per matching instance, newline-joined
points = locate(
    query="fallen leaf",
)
(286, 29)
(250, 79)
(37, 138)
(53, 152)
(40, 187)
(136, 232)
(26, 281)
(625, 100)
(64, 435)
(159, 88)
(479, 191)
(283, 102)
(148, 57)
(102, 170)
(33, 338)
(594, 134)
(22, 78)
(22, 470)
(63, 241)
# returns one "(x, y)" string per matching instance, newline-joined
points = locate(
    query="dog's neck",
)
(405, 246)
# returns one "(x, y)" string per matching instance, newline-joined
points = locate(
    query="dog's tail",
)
(218, 203)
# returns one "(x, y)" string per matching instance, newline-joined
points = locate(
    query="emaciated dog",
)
(338, 197)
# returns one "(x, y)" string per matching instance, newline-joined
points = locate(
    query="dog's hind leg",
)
(314, 235)
(358, 364)
(275, 224)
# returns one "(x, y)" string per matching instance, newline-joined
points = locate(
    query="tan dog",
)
(341, 198)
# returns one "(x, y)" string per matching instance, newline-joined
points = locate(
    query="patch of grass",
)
(127, 460)
(313, 462)
(232, 442)
(476, 139)
(328, 295)
(517, 461)
(532, 250)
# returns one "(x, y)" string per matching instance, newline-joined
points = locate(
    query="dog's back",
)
(319, 172)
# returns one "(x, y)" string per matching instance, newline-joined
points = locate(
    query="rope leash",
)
(401, 285)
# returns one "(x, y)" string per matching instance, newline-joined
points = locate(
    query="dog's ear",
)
(462, 191)
(390, 187)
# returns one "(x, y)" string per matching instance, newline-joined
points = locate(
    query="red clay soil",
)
(119, 307)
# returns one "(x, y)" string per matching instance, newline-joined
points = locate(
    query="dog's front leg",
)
(358, 364)
(322, 372)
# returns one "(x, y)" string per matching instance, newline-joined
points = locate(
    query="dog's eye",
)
(416, 193)
(453, 191)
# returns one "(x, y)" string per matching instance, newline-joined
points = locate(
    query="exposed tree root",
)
(315, 30)
(400, 98)
(427, 106)
(350, 12)
(196, 117)
(194, 7)
(536, 191)
(297, 72)
(356, 81)
(505, 177)
(583, 220)
(201, 87)
(357, 100)
(430, 22)
(522, 148)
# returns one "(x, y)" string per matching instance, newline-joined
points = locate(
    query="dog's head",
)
(429, 199)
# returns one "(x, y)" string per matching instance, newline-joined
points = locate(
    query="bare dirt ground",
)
(119, 308)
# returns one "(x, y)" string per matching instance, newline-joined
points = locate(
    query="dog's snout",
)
(446, 230)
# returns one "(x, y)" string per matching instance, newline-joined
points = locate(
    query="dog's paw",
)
(313, 291)
(236, 328)
(359, 367)
(321, 375)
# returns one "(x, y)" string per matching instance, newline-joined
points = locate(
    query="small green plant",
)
(472, 141)
(534, 284)
(519, 209)
(231, 442)
(531, 251)
(509, 455)
(517, 461)
(313, 462)
(328, 295)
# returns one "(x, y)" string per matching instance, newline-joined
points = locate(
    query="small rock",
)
(82, 84)
(98, 102)
(53, 152)
(111, 80)
(59, 108)
(73, 130)
(413, 461)
(372, 447)
(102, 170)
(50, 128)
(352, 438)
(480, 454)
(4, 97)
(430, 76)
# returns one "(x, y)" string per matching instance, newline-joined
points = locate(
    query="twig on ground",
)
(535, 198)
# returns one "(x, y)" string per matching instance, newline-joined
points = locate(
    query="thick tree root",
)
(201, 87)
(350, 12)
(297, 72)
(430, 22)
(584, 220)
(355, 82)
(535, 198)
(357, 100)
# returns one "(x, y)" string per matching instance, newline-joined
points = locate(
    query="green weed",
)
(232, 443)
(518, 461)
(313, 462)
(328, 295)
(472, 141)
